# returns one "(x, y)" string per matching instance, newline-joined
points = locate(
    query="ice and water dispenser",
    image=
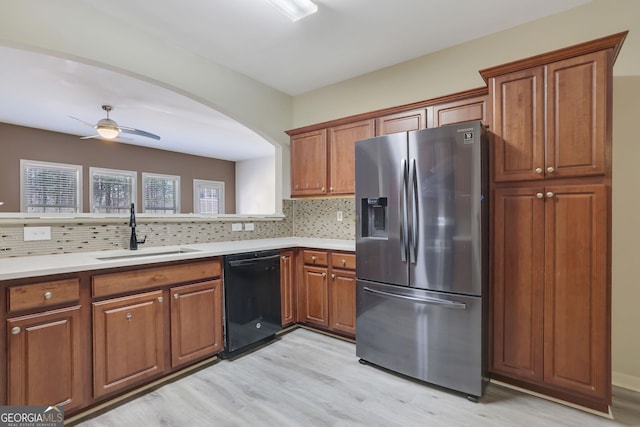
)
(374, 217)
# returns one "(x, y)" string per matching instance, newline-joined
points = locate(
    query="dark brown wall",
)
(18, 142)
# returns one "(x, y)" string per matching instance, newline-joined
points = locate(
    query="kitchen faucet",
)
(134, 242)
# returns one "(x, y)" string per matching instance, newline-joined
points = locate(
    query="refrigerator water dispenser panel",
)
(374, 221)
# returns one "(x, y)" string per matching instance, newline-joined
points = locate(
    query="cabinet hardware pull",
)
(322, 189)
(160, 299)
(48, 295)
(129, 316)
(333, 276)
(331, 189)
(538, 170)
(549, 194)
(539, 195)
(324, 274)
(313, 258)
(344, 262)
(550, 169)
(15, 330)
(176, 296)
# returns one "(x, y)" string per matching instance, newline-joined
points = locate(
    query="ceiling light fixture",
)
(295, 9)
(107, 129)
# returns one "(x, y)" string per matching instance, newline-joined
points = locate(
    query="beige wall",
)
(18, 142)
(456, 69)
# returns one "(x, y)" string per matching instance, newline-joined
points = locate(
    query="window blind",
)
(49, 187)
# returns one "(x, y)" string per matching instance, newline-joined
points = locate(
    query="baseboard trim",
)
(629, 382)
(553, 399)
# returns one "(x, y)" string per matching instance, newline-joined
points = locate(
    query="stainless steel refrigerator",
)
(421, 254)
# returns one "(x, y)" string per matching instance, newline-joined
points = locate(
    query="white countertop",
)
(43, 265)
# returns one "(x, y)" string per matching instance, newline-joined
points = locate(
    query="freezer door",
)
(446, 176)
(430, 336)
(381, 198)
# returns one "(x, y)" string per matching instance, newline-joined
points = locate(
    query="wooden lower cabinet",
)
(551, 290)
(128, 341)
(343, 301)
(45, 364)
(196, 321)
(316, 296)
(287, 288)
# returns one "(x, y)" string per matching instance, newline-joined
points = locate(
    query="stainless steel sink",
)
(146, 254)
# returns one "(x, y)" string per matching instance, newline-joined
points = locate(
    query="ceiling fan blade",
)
(139, 132)
(82, 121)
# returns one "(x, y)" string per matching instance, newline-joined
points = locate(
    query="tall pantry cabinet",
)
(550, 299)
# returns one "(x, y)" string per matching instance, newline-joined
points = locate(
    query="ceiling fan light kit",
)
(109, 129)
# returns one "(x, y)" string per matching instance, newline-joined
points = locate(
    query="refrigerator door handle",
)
(404, 230)
(426, 300)
(413, 247)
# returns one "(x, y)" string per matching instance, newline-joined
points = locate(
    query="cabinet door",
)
(128, 341)
(518, 125)
(576, 331)
(577, 116)
(316, 295)
(45, 359)
(196, 321)
(460, 111)
(343, 301)
(287, 289)
(309, 163)
(517, 288)
(342, 165)
(401, 122)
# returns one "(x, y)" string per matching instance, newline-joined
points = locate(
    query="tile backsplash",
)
(302, 217)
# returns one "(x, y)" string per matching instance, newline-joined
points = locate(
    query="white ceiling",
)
(344, 39)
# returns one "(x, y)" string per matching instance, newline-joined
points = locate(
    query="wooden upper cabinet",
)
(550, 121)
(577, 116)
(309, 163)
(518, 125)
(401, 122)
(342, 165)
(466, 110)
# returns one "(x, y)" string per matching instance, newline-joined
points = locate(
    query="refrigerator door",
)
(431, 336)
(381, 215)
(445, 199)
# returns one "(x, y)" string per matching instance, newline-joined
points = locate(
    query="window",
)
(161, 193)
(208, 197)
(50, 187)
(111, 190)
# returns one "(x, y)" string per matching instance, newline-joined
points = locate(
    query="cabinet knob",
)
(313, 258)
(539, 195)
(549, 194)
(160, 299)
(333, 276)
(538, 170)
(324, 274)
(15, 330)
(175, 296)
(331, 189)
(550, 169)
(129, 316)
(322, 189)
(284, 257)
(48, 295)
(344, 262)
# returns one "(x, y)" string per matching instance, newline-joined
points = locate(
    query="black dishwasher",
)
(251, 300)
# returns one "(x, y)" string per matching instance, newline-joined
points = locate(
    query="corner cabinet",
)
(550, 296)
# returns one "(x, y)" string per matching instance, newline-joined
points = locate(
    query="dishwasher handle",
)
(249, 261)
(425, 300)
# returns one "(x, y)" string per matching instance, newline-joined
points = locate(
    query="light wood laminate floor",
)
(309, 379)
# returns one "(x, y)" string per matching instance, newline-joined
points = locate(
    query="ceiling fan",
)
(109, 129)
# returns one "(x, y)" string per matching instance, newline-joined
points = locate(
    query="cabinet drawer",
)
(343, 260)
(315, 257)
(43, 294)
(135, 280)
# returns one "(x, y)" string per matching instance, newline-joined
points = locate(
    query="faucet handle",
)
(142, 241)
